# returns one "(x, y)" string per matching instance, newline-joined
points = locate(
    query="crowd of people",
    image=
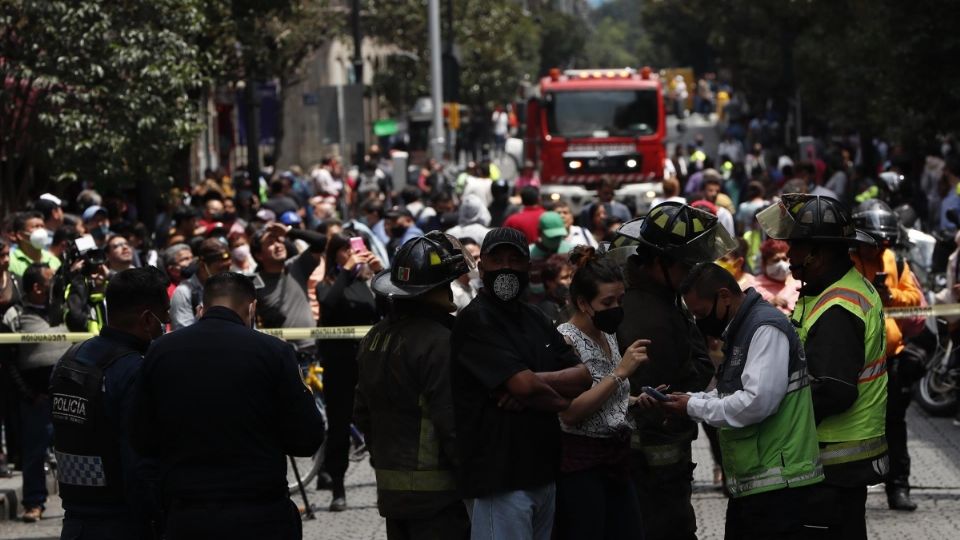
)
(546, 363)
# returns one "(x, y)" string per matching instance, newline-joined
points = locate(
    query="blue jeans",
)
(515, 515)
(37, 434)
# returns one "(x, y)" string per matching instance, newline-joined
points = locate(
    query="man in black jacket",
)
(220, 406)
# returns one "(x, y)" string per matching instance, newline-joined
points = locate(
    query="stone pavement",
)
(934, 445)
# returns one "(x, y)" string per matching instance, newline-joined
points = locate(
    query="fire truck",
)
(588, 124)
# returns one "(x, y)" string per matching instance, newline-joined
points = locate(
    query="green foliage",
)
(97, 90)
(497, 43)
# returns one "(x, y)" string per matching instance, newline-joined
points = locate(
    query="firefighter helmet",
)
(422, 264)
(799, 216)
(684, 233)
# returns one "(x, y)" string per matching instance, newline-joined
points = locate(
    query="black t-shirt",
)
(500, 450)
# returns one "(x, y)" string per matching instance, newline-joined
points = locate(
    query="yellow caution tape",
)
(938, 310)
(289, 334)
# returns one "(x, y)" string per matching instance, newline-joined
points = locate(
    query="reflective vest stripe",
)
(661, 455)
(771, 477)
(846, 452)
(428, 453)
(390, 480)
(847, 295)
(798, 379)
(873, 370)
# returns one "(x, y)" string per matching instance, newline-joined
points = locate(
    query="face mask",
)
(711, 325)
(551, 245)
(216, 217)
(100, 232)
(608, 320)
(505, 284)
(241, 253)
(38, 238)
(397, 231)
(561, 293)
(777, 271)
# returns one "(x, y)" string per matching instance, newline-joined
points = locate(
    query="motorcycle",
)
(936, 391)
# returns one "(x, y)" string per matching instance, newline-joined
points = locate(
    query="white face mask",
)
(38, 238)
(241, 253)
(777, 271)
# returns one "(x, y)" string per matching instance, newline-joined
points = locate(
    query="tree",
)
(498, 45)
(94, 90)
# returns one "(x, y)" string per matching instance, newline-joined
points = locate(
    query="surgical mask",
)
(608, 320)
(711, 325)
(38, 238)
(241, 253)
(777, 271)
(505, 284)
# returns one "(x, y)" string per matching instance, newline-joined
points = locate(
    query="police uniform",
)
(105, 486)
(661, 457)
(220, 406)
(403, 402)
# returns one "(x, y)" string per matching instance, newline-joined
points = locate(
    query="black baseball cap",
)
(505, 235)
(398, 211)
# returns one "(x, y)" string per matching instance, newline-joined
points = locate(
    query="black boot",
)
(899, 499)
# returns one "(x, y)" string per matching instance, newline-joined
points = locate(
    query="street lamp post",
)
(436, 79)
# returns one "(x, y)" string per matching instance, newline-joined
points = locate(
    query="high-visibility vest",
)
(859, 432)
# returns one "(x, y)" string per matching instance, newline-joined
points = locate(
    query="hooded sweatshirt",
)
(473, 219)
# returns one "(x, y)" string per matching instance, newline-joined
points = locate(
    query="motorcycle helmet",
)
(875, 218)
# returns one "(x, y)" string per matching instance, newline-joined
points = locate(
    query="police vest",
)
(781, 451)
(857, 433)
(87, 448)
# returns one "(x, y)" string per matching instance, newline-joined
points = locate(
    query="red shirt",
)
(526, 221)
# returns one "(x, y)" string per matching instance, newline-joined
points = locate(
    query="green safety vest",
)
(859, 432)
(781, 451)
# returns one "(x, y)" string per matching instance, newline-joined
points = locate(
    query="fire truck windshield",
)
(588, 113)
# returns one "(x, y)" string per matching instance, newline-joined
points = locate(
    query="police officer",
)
(103, 483)
(220, 405)
(403, 403)
(897, 287)
(668, 242)
(840, 319)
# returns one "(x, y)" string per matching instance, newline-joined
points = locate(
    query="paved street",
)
(935, 447)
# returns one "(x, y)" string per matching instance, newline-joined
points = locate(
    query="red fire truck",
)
(588, 124)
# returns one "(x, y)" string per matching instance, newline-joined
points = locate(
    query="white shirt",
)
(765, 377)
(580, 237)
(726, 219)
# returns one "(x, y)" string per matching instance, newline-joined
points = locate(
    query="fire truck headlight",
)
(631, 163)
(575, 164)
(554, 196)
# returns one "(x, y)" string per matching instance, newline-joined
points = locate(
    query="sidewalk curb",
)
(9, 503)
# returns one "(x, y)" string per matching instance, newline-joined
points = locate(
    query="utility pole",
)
(358, 79)
(436, 79)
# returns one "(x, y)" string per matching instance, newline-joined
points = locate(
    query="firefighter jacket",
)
(405, 409)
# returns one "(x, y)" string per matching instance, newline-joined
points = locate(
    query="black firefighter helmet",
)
(683, 233)
(422, 264)
(799, 216)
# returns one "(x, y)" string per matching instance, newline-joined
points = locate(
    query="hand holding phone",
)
(655, 394)
(357, 245)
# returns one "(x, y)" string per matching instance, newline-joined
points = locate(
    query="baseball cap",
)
(398, 211)
(505, 235)
(92, 211)
(552, 226)
(290, 218)
(52, 198)
(267, 215)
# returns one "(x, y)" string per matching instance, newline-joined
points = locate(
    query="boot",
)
(899, 499)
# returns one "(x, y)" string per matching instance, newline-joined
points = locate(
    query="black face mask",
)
(561, 293)
(217, 217)
(711, 325)
(505, 284)
(397, 231)
(608, 320)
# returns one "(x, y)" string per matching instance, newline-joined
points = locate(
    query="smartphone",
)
(654, 393)
(357, 245)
